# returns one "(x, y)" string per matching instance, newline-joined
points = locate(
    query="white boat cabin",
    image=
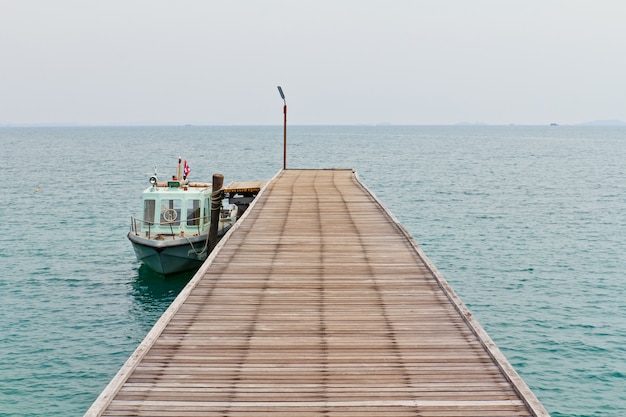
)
(176, 208)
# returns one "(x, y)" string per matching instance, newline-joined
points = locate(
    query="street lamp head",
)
(280, 90)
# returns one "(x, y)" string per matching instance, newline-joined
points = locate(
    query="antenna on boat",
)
(282, 95)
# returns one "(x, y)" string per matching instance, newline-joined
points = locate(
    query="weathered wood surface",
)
(248, 186)
(317, 304)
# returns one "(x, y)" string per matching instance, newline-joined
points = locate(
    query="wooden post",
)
(216, 206)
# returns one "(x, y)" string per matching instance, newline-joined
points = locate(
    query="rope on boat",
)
(206, 245)
(216, 203)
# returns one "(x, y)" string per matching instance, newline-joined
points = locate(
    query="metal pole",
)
(282, 95)
(285, 138)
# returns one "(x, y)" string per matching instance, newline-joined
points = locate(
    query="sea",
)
(527, 223)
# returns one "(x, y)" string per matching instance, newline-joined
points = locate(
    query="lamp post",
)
(282, 95)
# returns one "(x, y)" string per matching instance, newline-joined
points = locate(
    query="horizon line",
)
(382, 124)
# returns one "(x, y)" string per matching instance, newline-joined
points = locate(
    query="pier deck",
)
(317, 303)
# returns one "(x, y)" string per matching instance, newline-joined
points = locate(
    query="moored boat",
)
(173, 235)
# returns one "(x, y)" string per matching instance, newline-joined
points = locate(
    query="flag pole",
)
(280, 90)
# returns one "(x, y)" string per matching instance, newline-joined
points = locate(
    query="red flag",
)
(186, 169)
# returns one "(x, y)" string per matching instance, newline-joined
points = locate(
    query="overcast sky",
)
(338, 61)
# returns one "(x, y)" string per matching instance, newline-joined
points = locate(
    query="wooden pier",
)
(317, 303)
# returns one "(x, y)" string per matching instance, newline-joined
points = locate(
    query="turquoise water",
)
(528, 224)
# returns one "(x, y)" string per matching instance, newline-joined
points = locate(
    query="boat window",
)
(193, 212)
(207, 205)
(170, 212)
(148, 211)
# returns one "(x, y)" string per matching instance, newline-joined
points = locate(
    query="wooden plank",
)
(244, 186)
(317, 303)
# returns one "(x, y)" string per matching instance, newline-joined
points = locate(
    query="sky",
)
(153, 62)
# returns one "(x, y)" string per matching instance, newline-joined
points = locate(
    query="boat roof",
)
(182, 191)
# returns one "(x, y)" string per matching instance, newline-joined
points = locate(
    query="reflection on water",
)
(153, 293)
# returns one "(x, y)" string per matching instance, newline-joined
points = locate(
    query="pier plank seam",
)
(104, 399)
(529, 398)
(325, 325)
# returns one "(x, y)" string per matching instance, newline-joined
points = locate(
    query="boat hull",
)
(170, 256)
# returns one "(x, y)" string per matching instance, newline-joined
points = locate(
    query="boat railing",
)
(137, 226)
(197, 223)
